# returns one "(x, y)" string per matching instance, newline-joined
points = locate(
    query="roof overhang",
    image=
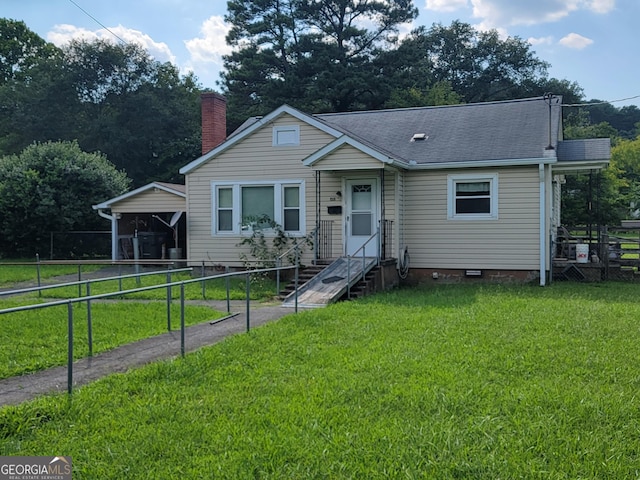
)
(583, 154)
(150, 186)
(507, 162)
(284, 109)
(315, 159)
(574, 167)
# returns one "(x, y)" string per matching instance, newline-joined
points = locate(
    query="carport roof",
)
(173, 188)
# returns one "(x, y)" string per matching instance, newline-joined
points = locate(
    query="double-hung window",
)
(240, 207)
(472, 197)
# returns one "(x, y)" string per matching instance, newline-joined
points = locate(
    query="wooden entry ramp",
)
(330, 284)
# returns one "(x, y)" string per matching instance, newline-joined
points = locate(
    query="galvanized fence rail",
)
(168, 286)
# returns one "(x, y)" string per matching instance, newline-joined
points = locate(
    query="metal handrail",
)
(295, 247)
(93, 280)
(101, 296)
(365, 244)
(87, 299)
(364, 261)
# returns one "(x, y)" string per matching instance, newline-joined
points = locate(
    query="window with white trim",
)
(224, 212)
(472, 197)
(286, 136)
(237, 206)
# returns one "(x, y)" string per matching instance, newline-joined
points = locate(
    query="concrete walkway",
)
(16, 390)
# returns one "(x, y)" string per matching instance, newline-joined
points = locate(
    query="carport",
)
(147, 223)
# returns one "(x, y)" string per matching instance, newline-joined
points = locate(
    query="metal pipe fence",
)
(168, 285)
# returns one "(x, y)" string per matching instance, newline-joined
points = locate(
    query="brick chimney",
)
(214, 120)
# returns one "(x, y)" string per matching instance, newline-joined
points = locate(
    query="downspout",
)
(316, 236)
(543, 224)
(114, 233)
(382, 225)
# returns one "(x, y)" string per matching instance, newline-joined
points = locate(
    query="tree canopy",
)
(51, 187)
(112, 98)
(315, 55)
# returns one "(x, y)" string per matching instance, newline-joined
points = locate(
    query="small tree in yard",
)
(52, 187)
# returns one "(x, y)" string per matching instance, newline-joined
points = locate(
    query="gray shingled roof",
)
(516, 129)
(584, 150)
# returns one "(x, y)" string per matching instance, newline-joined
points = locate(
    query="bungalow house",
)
(442, 192)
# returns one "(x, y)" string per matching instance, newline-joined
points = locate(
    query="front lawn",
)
(441, 382)
(37, 339)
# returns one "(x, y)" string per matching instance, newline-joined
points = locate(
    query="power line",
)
(98, 22)
(599, 103)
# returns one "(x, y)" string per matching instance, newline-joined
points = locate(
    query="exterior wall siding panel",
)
(150, 202)
(510, 242)
(253, 158)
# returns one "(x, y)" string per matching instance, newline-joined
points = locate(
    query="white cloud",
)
(509, 12)
(62, 34)
(211, 46)
(602, 6)
(540, 41)
(445, 5)
(575, 41)
(206, 51)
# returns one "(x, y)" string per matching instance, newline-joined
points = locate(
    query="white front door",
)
(361, 216)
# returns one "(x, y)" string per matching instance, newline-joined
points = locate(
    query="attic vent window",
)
(419, 137)
(286, 136)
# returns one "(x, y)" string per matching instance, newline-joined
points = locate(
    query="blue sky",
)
(587, 41)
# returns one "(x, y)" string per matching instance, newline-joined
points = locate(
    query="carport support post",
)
(70, 347)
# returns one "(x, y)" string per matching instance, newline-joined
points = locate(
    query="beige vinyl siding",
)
(251, 159)
(150, 201)
(390, 213)
(330, 184)
(399, 225)
(347, 158)
(509, 242)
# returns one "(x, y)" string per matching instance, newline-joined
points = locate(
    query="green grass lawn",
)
(37, 339)
(261, 288)
(446, 382)
(215, 289)
(10, 274)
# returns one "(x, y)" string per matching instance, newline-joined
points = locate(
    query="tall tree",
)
(112, 98)
(138, 111)
(478, 65)
(50, 187)
(20, 50)
(313, 54)
(30, 93)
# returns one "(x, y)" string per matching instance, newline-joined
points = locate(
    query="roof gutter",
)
(509, 162)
